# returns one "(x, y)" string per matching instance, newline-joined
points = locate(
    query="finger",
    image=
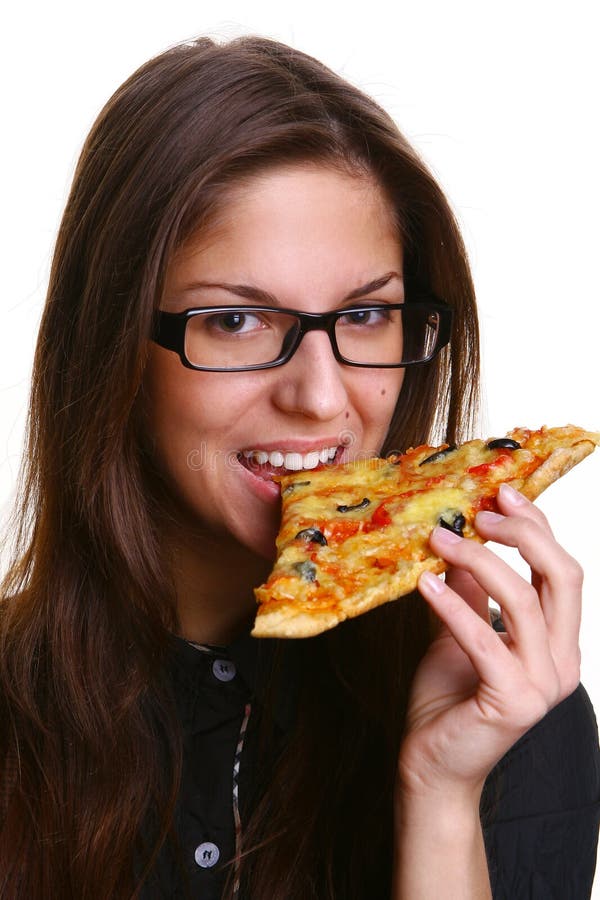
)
(507, 696)
(469, 589)
(491, 659)
(522, 614)
(560, 595)
(557, 584)
(560, 599)
(512, 502)
(556, 577)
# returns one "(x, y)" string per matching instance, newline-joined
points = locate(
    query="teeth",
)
(311, 460)
(294, 462)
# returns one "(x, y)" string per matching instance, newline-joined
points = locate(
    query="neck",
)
(214, 579)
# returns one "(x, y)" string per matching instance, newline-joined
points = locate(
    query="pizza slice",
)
(354, 536)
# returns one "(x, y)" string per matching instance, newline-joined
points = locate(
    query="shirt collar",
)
(253, 658)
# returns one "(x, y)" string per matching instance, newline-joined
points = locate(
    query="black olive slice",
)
(440, 454)
(312, 535)
(362, 505)
(457, 524)
(306, 569)
(503, 444)
(292, 487)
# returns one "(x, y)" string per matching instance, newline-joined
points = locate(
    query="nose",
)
(312, 382)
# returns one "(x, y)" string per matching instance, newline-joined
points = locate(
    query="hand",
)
(476, 691)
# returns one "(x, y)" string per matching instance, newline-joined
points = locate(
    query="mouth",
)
(266, 464)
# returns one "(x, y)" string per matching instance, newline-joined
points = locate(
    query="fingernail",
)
(486, 517)
(432, 582)
(511, 495)
(446, 536)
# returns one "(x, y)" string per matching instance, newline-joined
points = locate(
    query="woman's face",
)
(308, 236)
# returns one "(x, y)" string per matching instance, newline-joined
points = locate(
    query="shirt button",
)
(224, 669)
(207, 855)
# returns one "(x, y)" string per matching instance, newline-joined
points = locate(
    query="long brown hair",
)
(90, 747)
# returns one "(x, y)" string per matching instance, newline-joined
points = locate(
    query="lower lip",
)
(264, 489)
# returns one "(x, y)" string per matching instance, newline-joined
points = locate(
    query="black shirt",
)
(540, 807)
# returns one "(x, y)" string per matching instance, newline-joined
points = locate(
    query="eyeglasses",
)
(243, 338)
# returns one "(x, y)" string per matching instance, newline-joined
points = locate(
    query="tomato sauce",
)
(485, 468)
(337, 531)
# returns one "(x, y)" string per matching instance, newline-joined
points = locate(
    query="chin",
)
(261, 542)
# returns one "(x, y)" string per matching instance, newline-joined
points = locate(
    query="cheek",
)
(175, 413)
(373, 397)
(192, 419)
(383, 396)
(181, 402)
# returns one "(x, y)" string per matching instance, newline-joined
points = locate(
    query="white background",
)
(502, 101)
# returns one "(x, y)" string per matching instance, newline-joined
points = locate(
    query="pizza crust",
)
(287, 621)
(558, 464)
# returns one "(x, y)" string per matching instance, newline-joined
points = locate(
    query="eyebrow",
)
(249, 292)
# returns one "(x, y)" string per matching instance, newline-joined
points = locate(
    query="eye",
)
(235, 322)
(375, 316)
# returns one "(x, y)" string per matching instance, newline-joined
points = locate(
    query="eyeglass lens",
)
(241, 337)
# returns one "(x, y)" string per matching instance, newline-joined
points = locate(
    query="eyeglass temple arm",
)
(445, 330)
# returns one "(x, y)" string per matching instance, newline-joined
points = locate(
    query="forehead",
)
(307, 226)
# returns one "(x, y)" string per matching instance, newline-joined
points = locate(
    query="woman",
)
(150, 748)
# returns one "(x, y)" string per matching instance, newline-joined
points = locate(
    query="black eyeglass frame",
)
(169, 332)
